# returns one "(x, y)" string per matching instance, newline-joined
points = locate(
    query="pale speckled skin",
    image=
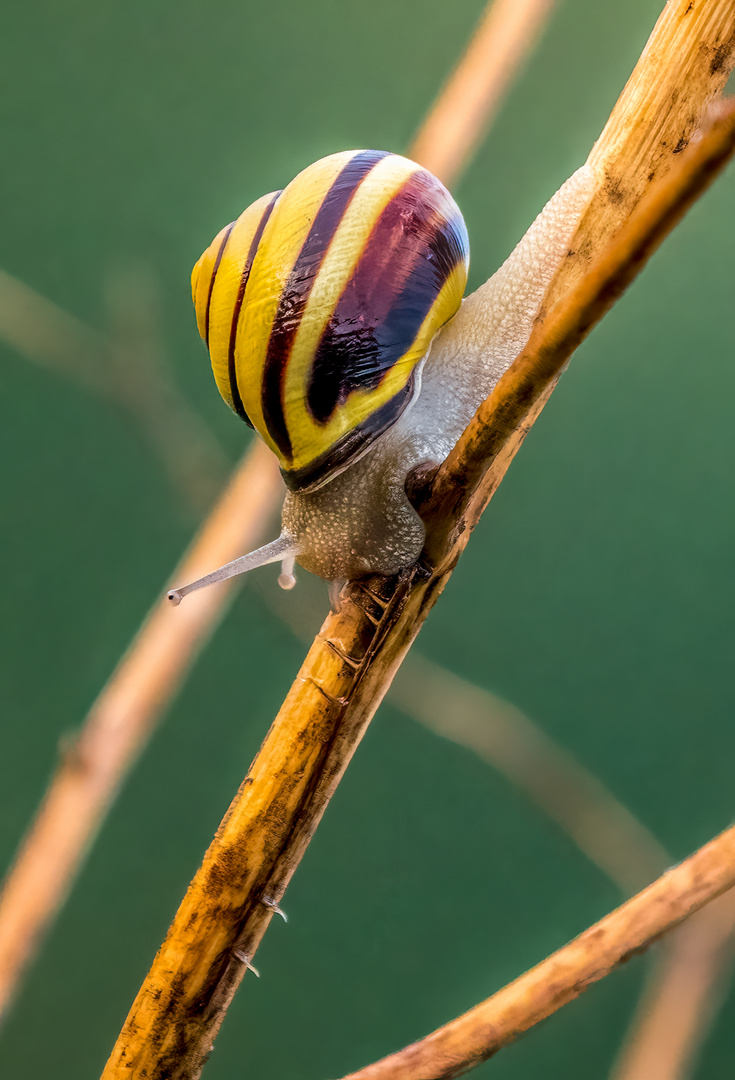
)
(361, 521)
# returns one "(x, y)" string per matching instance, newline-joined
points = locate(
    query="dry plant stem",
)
(685, 63)
(474, 1037)
(469, 475)
(160, 656)
(459, 1046)
(467, 105)
(177, 1013)
(171, 1026)
(121, 720)
(44, 333)
(608, 834)
(682, 997)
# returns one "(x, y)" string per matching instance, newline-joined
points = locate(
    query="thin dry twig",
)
(469, 1040)
(499, 733)
(471, 98)
(681, 998)
(121, 720)
(176, 1015)
(122, 371)
(161, 655)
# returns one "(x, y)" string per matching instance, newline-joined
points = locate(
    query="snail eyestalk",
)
(283, 550)
(287, 578)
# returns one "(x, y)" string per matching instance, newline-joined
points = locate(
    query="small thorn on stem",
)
(245, 959)
(267, 902)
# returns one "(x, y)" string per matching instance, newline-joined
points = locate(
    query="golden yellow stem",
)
(468, 477)
(685, 64)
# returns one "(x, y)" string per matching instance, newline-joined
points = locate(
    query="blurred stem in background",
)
(126, 368)
(461, 116)
(129, 368)
(608, 834)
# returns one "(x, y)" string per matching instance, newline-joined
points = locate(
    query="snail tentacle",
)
(287, 578)
(283, 550)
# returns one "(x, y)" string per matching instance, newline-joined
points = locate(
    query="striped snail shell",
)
(331, 311)
(319, 303)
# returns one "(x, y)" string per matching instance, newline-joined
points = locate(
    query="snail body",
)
(334, 317)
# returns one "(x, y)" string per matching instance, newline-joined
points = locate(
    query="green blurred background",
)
(597, 594)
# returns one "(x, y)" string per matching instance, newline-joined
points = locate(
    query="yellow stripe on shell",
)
(226, 288)
(279, 248)
(310, 440)
(201, 279)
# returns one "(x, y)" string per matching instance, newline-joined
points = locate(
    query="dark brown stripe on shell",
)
(410, 254)
(298, 288)
(217, 261)
(245, 274)
(345, 449)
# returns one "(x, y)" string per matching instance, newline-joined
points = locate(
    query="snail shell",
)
(319, 303)
(333, 319)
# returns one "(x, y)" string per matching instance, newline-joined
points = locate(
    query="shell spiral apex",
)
(319, 303)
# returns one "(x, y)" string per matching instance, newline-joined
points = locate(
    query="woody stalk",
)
(642, 177)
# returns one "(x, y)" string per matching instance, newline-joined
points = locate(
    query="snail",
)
(334, 319)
